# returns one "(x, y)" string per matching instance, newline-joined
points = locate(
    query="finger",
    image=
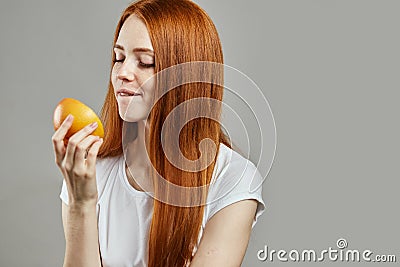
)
(81, 149)
(82, 133)
(58, 138)
(64, 127)
(74, 141)
(92, 154)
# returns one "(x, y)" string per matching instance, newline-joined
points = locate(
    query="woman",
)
(116, 211)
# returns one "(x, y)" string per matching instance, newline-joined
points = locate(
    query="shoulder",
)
(107, 170)
(107, 167)
(235, 178)
(104, 164)
(233, 173)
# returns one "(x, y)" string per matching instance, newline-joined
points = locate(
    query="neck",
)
(136, 154)
(137, 163)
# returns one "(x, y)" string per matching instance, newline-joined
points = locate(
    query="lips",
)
(126, 92)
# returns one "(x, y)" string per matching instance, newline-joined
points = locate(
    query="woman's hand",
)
(79, 172)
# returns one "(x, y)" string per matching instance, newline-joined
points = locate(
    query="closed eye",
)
(119, 60)
(146, 65)
(141, 64)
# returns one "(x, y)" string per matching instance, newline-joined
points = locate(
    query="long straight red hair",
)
(180, 31)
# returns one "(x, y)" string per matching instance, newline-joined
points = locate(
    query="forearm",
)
(82, 246)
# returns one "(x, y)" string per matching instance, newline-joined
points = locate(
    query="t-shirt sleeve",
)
(238, 181)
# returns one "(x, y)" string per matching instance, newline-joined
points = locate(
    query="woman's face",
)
(133, 66)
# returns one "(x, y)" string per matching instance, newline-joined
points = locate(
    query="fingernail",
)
(69, 117)
(93, 125)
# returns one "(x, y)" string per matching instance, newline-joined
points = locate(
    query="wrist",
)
(82, 207)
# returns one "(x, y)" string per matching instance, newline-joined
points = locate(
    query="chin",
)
(129, 117)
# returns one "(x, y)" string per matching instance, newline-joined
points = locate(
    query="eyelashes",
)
(141, 64)
(146, 65)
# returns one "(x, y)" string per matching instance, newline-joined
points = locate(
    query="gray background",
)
(328, 68)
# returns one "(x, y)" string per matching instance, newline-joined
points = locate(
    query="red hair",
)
(180, 31)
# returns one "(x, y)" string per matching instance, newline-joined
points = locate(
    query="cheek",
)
(114, 76)
(148, 80)
(148, 86)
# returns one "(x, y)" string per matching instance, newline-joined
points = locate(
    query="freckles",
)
(212, 251)
(114, 80)
(114, 74)
(114, 69)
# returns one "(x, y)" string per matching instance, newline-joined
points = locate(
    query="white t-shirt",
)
(124, 214)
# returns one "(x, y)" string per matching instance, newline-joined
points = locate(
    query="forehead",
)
(134, 34)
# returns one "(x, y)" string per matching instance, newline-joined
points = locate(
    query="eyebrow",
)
(137, 49)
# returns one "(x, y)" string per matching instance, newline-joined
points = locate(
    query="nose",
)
(126, 72)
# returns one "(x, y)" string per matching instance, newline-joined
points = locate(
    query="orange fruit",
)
(83, 115)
